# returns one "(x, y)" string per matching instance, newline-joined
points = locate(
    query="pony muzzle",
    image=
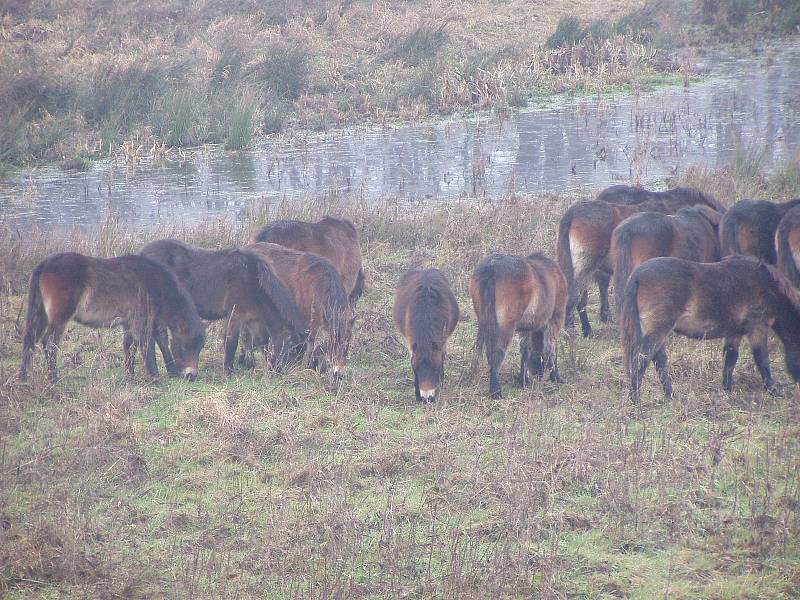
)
(428, 394)
(190, 373)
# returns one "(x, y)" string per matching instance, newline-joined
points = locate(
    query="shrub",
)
(240, 122)
(174, 116)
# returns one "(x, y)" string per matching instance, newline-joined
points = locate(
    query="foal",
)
(523, 294)
(425, 314)
(131, 292)
(691, 233)
(737, 297)
(331, 238)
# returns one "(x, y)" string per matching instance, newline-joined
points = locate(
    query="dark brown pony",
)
(331, 238)
(320, 295)
(425, 314)
(235, 285)
(584, 240)
(523, 294)
(738, 297)
(131, 292)
(691, 234)
(749, 228)
(787, 246)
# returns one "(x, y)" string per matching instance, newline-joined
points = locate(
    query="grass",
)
(108, 76)
(281, 487)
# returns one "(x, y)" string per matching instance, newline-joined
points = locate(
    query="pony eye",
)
(435, 346)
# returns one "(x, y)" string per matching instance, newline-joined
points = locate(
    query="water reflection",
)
(582, 145)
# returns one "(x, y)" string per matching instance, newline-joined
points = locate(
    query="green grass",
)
(279, 487)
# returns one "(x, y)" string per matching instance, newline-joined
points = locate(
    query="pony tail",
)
(785, 286)
(786, 264)
(35, 322)
(487, 319)
(358, 290)
(631, 326)
(564, 258)
(281, 297)
(621, 243)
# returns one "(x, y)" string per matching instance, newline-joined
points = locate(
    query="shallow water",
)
(579, 145)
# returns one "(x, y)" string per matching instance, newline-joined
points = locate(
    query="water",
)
(581, 145)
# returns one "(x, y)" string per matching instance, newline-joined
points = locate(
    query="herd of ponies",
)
(677, 259)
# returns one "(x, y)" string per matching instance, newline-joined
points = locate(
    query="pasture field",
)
(82, 79)
(267, 486)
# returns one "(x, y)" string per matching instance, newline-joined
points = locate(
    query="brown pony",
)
(740, 296)
(691, 233)
(523, 294)
(787, 246)
(235, 285)
(749, 228)
(131, 292)
(425, 314)
(331, 238)
(321, 297)
(584, 240)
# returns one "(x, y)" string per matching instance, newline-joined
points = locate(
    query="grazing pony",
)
(425, 314)
(131, 292)
(749, 228)
(787, 246)
(523, 294)
(584, 241)
(321, 298)
(235, 285)
(331, 238)
(738, 297)
(691, 234)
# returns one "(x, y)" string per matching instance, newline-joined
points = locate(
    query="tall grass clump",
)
(569, 31)
(418, 45)
(281, 72)
(174, 117)
(240, 122)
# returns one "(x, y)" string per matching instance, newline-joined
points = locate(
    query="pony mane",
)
(785, 286)
(424, 318)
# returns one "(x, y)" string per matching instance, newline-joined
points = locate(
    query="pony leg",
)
(586, 327)
(417, 395)
(52, 337)
(162, 339)
(731, 353)
(231, 343)
(147, 348)
(525, 343)
(758, 343)
(603, 281)
(535, 360)
(550, 355)
(661, 363)
(495, 354)
(129, 351)
(247, 359)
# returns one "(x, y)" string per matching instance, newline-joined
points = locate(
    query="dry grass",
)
(274, 487)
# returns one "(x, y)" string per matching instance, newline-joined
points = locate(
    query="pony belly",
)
(93, 314)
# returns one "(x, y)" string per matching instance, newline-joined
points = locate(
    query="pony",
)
(425, 313)
(749, 228)
(691, 233)
(737, 297)
(584, 241)
(131, 292)
(321, 297)
(523, 294)
(331, 238)
(238, 286)
(787, 246)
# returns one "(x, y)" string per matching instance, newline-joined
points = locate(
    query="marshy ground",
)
(280, 486)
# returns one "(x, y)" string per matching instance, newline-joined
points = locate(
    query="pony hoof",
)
(773, 390)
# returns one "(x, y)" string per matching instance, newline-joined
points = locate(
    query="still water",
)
(571, 145)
